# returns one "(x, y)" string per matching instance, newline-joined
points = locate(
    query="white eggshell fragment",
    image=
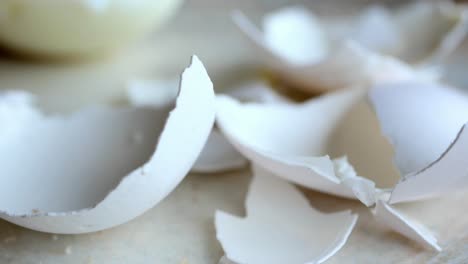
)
(281, 226)
(399, 33)
(102, 167)
(425, 124)
(295, 141)
(405, 226)
(295, 46)
(73, 28)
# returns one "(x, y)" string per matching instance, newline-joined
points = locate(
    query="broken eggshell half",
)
(99, 167)
(344, 143)
(420, 124)
(294, 140)
(312, 60)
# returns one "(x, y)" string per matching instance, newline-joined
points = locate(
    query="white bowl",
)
(73, 28)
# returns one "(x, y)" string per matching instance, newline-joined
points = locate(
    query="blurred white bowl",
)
(74, 28)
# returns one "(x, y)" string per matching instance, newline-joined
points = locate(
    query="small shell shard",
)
(281, 228)
(398, 222)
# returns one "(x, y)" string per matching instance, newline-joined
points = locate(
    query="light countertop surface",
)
(180, 229)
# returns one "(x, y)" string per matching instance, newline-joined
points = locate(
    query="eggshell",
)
(343, 144)
(295, 141)
(101, 167)
(445, 27)
(425, 124)
(217, 155)
(407, 227)
(307, 54)
(281, 226)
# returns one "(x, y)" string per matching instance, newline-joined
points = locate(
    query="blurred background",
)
(201, 27)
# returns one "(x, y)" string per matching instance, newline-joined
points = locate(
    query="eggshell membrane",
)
(67, 174)
(74, 28)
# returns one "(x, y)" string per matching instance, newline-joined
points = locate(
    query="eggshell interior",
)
(64, 164)
(101, 167)
(337, 124)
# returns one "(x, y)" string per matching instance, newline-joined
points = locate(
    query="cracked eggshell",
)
(311, 62)
(300, 141)
(281, 226)
(420, 125)
(445, 27)
(425, 123)
(101, 167)
(49, 27)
